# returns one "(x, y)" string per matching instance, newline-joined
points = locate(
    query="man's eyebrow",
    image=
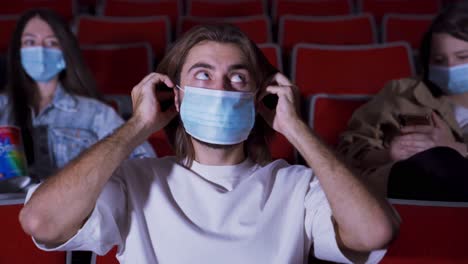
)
(201, 65)
(238, 67)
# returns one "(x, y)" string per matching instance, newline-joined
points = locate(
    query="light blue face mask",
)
(42, 64)
(216, 116)
(452, 80)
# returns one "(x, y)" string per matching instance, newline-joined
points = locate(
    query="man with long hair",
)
(220, 200)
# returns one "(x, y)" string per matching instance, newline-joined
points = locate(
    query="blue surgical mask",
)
(42, 64)
(452, 80)
(216, 116)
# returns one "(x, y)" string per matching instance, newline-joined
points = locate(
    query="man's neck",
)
(230, 155)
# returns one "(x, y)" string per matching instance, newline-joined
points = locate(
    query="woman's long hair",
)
(260, 69)
(22, 91)
(452, 20)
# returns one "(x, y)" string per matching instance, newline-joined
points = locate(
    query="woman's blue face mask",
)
(452, 80)
(217, 116)
(42, 64)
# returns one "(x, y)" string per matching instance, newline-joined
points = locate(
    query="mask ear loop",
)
(178, 87)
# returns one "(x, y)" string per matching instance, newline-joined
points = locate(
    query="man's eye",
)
(237, 78)
(202, 76)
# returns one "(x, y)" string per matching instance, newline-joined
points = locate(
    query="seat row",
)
(215, 8)
(341, 30)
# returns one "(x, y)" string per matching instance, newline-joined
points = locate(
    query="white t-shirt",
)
(158, 211)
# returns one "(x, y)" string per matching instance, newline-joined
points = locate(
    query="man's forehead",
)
(215, 54)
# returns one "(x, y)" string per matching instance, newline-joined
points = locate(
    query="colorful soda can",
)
(13, 164)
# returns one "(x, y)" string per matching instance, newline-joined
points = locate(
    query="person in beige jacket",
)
(411, 138)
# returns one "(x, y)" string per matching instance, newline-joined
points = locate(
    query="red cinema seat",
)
(17, 246)
(225, 8)
(109, 258)
(280, 148)
(329, 114)
(118, 68)
(380, 7)
(115, 30)
(311, 8)
(7, 26)
(161, 144)
(65, 8)
(335, 30)
(430, 233)
(129, 8)
(272, 52)
(257, 28)
(362, 69)
(404, 27)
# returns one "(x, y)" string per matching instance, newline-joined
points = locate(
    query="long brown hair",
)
(22, 91)
(256, 146)
(452, 20)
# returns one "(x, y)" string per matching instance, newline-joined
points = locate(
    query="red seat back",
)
(225, 8)
(109, 258)
(329, 114)
(7, 26)
(281, 148)
(349, 69)
(337, 30)
(257, 28)
(17, 246)
(171, 8)
(402, 27)
(311, 8)
(65, 8)
(430, 233)
(118, 68)
(161, 144)
(112, 30)
(273, 53)
(380, 7)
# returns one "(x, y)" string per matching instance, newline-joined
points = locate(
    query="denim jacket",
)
(66, 127)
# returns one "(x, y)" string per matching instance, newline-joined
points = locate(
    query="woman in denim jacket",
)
(51, 95)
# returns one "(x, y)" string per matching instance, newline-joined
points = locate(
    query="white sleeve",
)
(104, 227)
(320, 229)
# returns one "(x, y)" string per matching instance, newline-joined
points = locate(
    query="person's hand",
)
(415, 139)
(146, 107)
(405, 146)
(287, 108)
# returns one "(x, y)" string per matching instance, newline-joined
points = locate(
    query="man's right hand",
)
(146, 106)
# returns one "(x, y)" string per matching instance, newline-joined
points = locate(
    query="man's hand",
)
(287, 108)
(415, 139)
(146, 106)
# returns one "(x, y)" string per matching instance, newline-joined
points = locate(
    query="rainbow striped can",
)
(13, 165)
